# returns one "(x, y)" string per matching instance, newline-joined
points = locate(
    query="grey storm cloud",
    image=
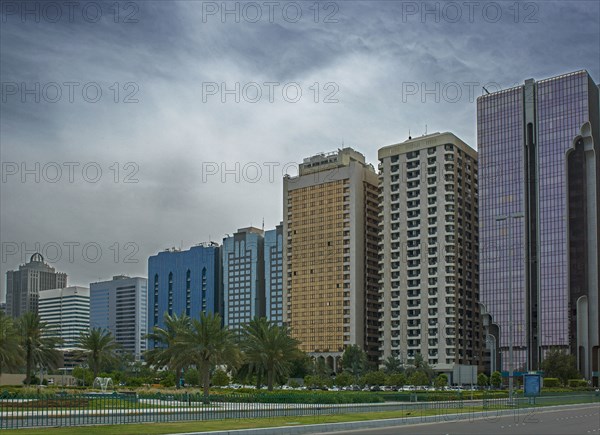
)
(179, 166)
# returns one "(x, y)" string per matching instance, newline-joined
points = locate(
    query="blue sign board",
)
(532, 385)
(515, 374)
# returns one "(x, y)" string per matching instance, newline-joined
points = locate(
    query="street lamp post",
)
(510, 300)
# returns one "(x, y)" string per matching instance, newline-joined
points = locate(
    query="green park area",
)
(201, 376)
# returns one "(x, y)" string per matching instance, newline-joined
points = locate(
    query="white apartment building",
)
(429, 252)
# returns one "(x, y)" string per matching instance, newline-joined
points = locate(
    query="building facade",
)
(538, 207)
(120, 306)
(184, 282)
(274, 275)
(67, 313)
(330, 229)
(429, 252)
(243, 277)
(23, 285)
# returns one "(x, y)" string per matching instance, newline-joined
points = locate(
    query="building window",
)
(188, 293)
(170, 299)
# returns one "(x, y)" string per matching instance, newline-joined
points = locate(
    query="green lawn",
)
(197, 426)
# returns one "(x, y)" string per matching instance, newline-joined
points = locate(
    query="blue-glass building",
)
(538, 231)
(243, 277)
(184, 282)
(274, 274)
(120, 306)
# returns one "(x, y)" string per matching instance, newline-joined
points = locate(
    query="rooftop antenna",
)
(409, 136)
(486, 91)
(263, 225)
(425, 129)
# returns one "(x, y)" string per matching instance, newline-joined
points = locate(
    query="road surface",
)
(584, 420)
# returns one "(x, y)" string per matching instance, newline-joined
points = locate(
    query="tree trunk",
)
(28, 367)
(258, 380)
(206, 381)
(270, 379)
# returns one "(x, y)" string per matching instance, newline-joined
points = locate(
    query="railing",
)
(59, 409)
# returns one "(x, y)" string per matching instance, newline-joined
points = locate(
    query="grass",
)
(232, 424)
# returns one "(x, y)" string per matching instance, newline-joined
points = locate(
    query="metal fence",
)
(52, 410)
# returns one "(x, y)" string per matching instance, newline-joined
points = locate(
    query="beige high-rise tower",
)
(330, 223)
(429, 252)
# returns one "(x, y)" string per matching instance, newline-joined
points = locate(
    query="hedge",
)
(551, 383)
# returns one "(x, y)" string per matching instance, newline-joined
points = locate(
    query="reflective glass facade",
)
(274, 274)
(120, 306)
(562, 108)
(243, 277)
(525, 137)
(183, 282)
(502, 192)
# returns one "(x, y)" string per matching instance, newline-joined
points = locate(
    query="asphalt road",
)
(574, 421)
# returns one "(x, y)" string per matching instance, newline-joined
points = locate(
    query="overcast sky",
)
(167, 124)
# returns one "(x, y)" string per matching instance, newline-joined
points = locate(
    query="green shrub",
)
(374, 378)
(482, 380)
(344, 379)
(312, 397)
(496, 379)
(294, 384)
(577, 383)
(396, 380)
(191, 377)
(441, 381)
(418, 378)
(220, 378)
(168, 380)
(551, 383)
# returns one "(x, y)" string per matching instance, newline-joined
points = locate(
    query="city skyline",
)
(380, 61)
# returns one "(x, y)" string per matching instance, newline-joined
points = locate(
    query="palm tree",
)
(99, 348)
(208, 344)
(393, 365)
(268, 348)
(38, 344)
(167, 350)
(10, 347)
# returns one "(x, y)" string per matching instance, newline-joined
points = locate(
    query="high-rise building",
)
(67, 313)
(538, 208)
(120, 306)
(243, 277)
(23, 285)
(330, 229)
(184, 282)
(274, 274)
(429, 252)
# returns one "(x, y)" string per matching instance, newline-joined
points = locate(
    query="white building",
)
(429, 252)
(67, 311)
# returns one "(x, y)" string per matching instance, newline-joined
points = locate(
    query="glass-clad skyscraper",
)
(120, 306)
(538, 207)
(243, 277)
(274, 274)
(183, 282)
